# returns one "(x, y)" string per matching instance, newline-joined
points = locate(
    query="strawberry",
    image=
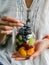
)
(31, 47)
(25, 44)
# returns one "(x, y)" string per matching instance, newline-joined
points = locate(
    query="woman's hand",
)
(7, 23)
(40, 46)
(17, 56)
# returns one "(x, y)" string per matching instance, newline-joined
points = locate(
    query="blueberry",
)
(24, 39)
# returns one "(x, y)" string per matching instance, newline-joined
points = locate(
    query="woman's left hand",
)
(40, 46)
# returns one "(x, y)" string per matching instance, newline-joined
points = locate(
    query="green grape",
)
(17, 41)
(31, 41)
(20, 43)
(20, 37)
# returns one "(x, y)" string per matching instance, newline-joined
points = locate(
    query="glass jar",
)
(25, 41)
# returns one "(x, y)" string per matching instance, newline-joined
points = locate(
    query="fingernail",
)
(11, 31)
(22, 24)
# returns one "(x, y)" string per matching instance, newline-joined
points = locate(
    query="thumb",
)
(36, 42)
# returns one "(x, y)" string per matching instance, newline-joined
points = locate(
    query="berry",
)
(31, 47)
(24, 39)
(26, 45)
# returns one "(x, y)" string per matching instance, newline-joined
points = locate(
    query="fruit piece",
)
(20, 37)
(24, 39)
(21, 48)
(27, 41)
(22, 52)
(17, 40)
(30, 51)
(31, 47)
(31, 41)
(20, 43)
(25, 44)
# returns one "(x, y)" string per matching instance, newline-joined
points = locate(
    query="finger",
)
(6, 27)
(15, 24)
(11, 24)
(6, 18)
(15, 53)
(10, 19)
(19, 58)
(3, 22)
(18, 21)
(5, 32)
(14, 56)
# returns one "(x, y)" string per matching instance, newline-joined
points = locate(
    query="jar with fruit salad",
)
(25, 39)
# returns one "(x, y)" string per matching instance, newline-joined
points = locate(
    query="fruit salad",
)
(25, 41)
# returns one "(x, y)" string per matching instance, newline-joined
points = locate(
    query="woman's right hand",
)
(7, 23)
